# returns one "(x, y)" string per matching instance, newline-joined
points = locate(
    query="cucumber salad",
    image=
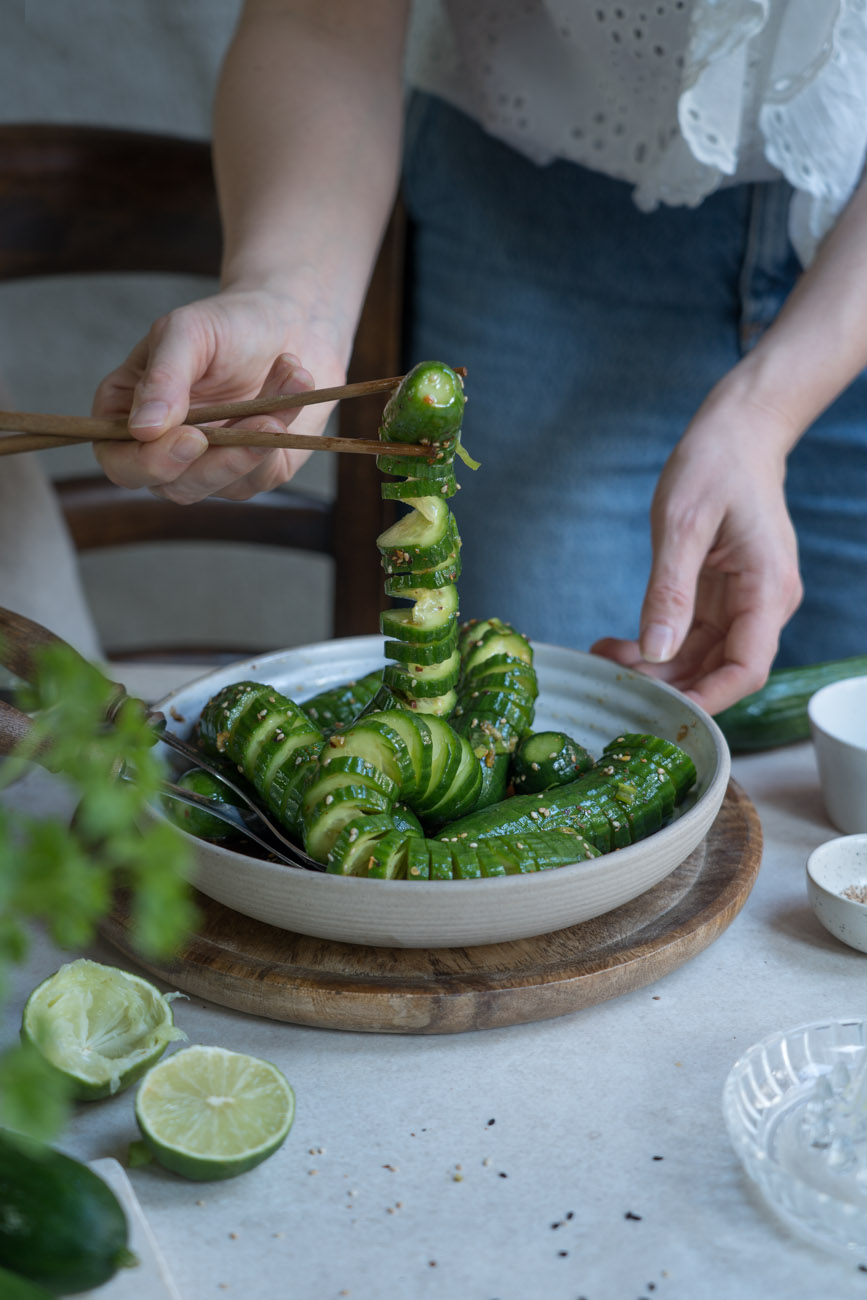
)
(429, 768)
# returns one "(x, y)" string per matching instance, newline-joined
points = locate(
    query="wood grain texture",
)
(248, 966)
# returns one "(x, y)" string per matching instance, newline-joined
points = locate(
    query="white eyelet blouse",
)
(676, 97)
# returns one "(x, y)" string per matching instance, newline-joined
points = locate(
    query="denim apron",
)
(591, 333)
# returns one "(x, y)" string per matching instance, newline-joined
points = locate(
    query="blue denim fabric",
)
(592, 332)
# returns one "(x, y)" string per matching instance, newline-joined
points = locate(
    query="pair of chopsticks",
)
(33, 432)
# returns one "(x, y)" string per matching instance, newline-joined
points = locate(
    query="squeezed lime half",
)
(100, 1027)
(208, 1113)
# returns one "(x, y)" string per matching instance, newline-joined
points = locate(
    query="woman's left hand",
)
(724, 578)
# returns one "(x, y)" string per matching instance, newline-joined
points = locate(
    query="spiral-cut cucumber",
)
(402, 775)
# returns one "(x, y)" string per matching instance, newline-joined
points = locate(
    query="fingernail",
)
(189, 446)
(657, 643)
(150, 415)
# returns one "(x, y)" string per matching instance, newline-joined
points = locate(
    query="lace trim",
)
(800, 72)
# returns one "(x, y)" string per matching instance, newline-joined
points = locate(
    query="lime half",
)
(208, 1113)
(100, 1027)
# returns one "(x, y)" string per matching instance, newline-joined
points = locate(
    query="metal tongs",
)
(20, 641)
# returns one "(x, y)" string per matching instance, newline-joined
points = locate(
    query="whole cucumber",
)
(776, 714)
(61, 1226)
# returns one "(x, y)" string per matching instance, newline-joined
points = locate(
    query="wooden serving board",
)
(249, 966)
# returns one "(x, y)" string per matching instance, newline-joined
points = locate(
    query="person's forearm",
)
(818, 343)
(307, 132)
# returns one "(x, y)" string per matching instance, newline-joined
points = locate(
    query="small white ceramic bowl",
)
(833, 868)
(838, 724)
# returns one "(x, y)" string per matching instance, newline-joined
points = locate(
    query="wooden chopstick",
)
(37, 432)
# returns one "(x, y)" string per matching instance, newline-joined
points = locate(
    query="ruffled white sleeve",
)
(771, 89)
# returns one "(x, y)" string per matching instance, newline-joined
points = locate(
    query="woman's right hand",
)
(237, 344)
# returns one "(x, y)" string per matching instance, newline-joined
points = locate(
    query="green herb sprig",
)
(63, 876)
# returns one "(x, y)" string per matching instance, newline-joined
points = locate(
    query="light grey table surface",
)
(584, 1156)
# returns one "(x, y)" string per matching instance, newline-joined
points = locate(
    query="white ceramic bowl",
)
(838, 724)
(771, 1094)
(590, 698)
(832, 868)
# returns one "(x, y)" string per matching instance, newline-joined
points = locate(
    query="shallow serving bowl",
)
(590, 698)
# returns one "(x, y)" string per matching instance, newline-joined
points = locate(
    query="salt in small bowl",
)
(836, 881)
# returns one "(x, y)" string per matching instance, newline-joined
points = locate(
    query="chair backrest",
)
(93, 199)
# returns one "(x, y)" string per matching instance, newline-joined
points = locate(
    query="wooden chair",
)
(78, 199)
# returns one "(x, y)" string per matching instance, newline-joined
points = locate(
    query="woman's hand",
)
(234, 345)
(724, 578)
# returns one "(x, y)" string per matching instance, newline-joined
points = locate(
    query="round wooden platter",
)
(252, 967)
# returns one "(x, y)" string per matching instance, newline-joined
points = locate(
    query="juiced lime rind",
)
(100, 1027)
(208, 1113)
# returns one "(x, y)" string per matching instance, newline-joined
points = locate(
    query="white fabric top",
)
(676, 97)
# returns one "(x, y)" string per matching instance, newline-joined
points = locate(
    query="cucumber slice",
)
(498, 643)
(418, 681)
(439, 706)
(465, 862)
(429, 619)
(427, 405)
(548, 758)
(379, 743)
(440, 856)
(350, 851)
(404, 819)
(437, 468)
(446, 754)
(418, 739)
(462, 792)
(423, 652)
(411, 585)
(387, 859)
(326, 819)
(337, 707)
(415, 488)
(421, 539)
(417, 859)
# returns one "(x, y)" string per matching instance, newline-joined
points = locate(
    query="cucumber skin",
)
(61, 1226)
(776, 714)
(409, 418)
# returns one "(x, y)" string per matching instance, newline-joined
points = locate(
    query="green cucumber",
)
(419, 741)
(594, 803)
(443, 486)
(15, 1287)
(378, 742)
(458, 796)
(547, 758)
(350, 851)
(438, 468)
(417, 859)
(336, 707)
(430, 618)
(415, 681)
(387, 860)
(197, 821)
(776, 714)
(61, 1226)
(410, 585)
(424, 537)
(427, 406)
(423, 652)
(327, 817)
